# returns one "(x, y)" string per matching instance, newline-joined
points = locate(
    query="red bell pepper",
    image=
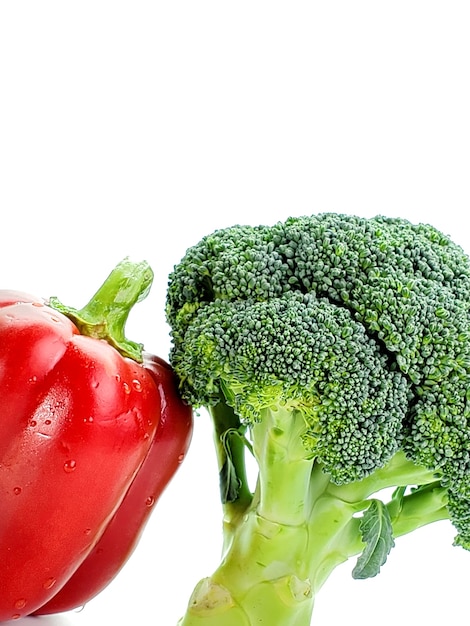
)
(168, 449)
(80, 418)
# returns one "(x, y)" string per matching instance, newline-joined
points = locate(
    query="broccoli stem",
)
(274, 557)
(261, 579)
(398, 472)
(423, 506)
(283, 542)
(284, 469)
(230, 449)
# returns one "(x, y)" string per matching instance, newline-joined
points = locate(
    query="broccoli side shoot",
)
(335, 350)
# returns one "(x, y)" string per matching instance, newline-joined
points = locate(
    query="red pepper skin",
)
(121, 536)
(76, 422)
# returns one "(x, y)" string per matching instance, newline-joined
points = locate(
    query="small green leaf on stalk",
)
(377, 534)
(230, 483)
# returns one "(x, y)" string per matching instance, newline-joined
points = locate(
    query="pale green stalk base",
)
(257, 582)
(282, 545)
(272, 571)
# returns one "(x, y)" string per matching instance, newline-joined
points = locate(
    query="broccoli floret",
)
(304, 352)
(336, 349)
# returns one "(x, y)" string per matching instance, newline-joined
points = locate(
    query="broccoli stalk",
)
(336, 351)
(282, 543)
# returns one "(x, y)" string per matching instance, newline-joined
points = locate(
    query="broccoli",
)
(335, 350)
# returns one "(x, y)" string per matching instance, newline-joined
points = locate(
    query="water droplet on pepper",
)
(137, 385)
(49, 583)
(17, 491)
(20, 603)
(70, 466)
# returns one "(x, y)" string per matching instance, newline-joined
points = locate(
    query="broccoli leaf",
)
(229, 481)
(377, 534)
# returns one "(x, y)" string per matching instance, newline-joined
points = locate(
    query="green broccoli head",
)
(305, 353)
(362, 325)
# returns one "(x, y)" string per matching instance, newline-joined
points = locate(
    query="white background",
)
(134, 128)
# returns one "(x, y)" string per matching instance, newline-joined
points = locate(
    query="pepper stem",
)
(105, 315)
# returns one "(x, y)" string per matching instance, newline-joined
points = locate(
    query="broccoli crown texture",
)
(360, 323)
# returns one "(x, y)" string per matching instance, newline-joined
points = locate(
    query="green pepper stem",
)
(105, 315)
